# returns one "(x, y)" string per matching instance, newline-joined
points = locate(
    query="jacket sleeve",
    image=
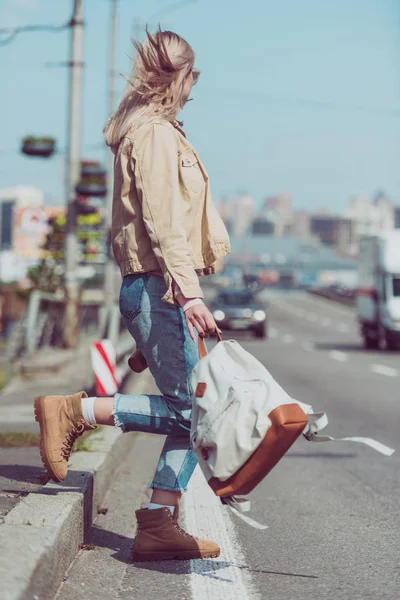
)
(157, 181)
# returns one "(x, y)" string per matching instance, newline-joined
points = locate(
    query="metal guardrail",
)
(334, 297)
(43, 323)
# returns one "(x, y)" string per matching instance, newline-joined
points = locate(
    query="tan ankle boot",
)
(61, 423)
(159, 537)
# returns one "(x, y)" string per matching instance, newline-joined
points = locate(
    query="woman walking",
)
(165, 232)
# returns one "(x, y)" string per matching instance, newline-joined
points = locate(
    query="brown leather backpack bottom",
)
(288, 422)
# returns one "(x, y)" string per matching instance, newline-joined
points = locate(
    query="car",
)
(238, 309)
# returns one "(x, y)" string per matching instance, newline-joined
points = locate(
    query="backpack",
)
(243, 423)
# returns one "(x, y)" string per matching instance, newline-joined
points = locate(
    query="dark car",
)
(239, 310)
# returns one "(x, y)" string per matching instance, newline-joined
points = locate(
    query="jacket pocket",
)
(192, 176)
(131, 296)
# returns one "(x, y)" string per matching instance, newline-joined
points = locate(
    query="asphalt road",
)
(332, 509)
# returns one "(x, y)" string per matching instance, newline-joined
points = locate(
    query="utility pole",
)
(109, 267)
(71, 328)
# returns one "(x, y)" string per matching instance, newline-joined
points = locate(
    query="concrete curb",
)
(41, 536)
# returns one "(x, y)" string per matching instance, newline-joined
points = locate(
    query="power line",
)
(302, 102)
(170, 8)
(14, 31)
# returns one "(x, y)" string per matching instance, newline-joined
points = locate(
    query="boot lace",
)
(179, 528)
(71, 436)
(182, 531)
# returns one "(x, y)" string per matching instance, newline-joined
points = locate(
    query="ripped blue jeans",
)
(161, 333)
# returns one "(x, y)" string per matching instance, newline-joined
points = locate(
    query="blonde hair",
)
(163, 62)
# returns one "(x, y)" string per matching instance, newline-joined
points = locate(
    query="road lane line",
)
(226, 576)
(312, 317)
(343, 327)
(288, 339)
(272, 333)
(384, 370)
(339, 308)
(340, 356)
(308, 346)
(326, 322)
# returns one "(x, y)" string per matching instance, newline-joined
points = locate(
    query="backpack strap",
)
(321, 421)
(240, 505)
(202, 345)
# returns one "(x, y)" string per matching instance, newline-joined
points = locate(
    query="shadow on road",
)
(34, 479)
(329, 455)
(23, 477)
(123, 547)
(210, 568)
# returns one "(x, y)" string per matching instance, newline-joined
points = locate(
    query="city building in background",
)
(243, 214)
(22, 229)
(290, 262)
(26, 222)
(333, 231)
(278, 210)
(262, 226)
(282, 203)
(397, 217)
(276, 218)
(225, 209)
(370, 216)
(301, 224)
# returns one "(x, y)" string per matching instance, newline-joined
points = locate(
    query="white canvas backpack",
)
(243, 422)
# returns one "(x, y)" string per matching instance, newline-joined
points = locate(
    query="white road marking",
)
(292, 309)
(343, 327)
(312, 317)
(338, 308)
(272, 333)
(288, 339)
(205, 517)
(384, 370)
(326, 322)
(340, 356)
(308, 346)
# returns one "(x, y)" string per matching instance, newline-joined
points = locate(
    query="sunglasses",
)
(195, 75)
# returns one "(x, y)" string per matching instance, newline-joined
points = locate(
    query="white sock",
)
(153, 506)
(88, 410)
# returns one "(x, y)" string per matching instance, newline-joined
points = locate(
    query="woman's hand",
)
(199, 317)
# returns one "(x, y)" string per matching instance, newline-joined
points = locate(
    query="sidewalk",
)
(44, 524)
(104, 570)
(55, 371)
(21, 473)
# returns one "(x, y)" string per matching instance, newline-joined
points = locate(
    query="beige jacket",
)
(163, 215)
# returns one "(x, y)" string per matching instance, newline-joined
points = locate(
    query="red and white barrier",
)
(104, 363)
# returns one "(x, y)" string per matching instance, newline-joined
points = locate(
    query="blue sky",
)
(295, 96)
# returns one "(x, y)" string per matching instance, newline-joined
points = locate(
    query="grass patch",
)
(19, 439)
(22, 439)
(3, 378)
(83, 444)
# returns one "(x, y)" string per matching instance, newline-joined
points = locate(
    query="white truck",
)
(378, 291)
